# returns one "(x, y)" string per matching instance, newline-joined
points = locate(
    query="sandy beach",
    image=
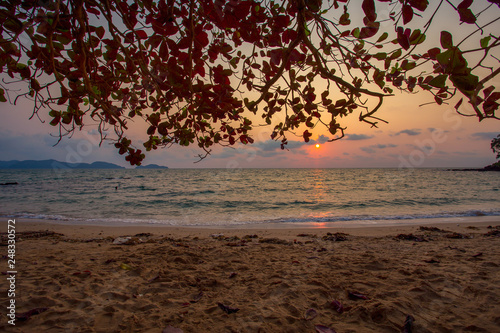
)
(417, 278)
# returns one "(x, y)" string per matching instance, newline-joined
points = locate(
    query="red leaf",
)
(202, 38)
(420, 5)
(433, 53)
(488, 91)
(407, 14)
(99, 32)
(446, 40)
(296, 56)
(370, 30)
(28, 314)
(310, 314)
(288, 36)
(324, 329)
(494, 97)
(338, 306)
(93, 10)
(497, 2)
(466, 15)
(403, 38)
(490, 107)
(170, 29)
(408, 325)
(465, 4)
(199, 70)
(276, 56)
(142, 34)
(344, 19)
(227, 309)
(369, 10)
(306, 135)
(242, 10)
(355, 296)
(56, 120)
(281, 21)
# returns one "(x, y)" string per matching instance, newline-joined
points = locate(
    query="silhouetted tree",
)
(206, 72)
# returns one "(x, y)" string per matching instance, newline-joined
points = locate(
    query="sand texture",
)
(313, 280)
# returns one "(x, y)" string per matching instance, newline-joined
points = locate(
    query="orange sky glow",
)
(415, 136)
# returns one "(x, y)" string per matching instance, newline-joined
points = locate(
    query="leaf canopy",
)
(207, 72)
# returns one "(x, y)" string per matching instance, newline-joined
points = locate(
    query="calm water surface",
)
(209, 197)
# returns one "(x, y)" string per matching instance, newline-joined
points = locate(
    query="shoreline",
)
(366, 228)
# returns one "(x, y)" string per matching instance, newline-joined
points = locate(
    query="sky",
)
(415, 136)
(426, 136)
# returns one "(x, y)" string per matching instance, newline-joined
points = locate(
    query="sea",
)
(248, 197)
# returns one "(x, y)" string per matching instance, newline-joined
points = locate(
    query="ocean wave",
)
(246, 220)
(348, 218)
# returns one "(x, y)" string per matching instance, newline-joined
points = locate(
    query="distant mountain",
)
(53, 164)
(151, 166)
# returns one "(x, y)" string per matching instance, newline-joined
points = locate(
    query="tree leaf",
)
(403, 38)
(355, 32)
(2, 96)
(485, 41)
(383, 37)
(344, 19)
(396, 54)
(227, 309)
(408, 324)
(433, 53)
(306, 135)
(465, 4)
(324, 329)
(420, 5)
(310, 314)
(465, 83)
(369, 31)
(369, 10)
(407, 14)
(488, 91)
(439, 81)
(466, 15)
(99, 31)
(408, 65)
(142, 34)
(446, 40)
(202, 38)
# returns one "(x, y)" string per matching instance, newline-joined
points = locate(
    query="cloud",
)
(410, 132)
(267, 148)
(42, 147)
(484, 135)
(357, 137)
(390, 145)
(373, 148)
(322, 139)
(271, 145)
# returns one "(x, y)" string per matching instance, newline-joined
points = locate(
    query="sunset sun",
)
(317, 145)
